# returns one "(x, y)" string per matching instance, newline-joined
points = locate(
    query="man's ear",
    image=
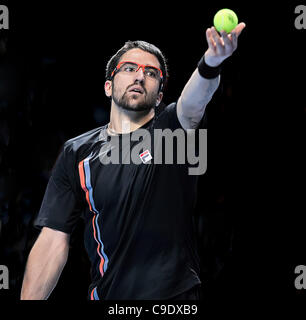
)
(108, 88)
(159, 98)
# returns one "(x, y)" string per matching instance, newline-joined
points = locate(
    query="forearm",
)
(197, 93)
(45, 264)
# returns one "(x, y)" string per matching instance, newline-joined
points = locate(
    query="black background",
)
(251, 198)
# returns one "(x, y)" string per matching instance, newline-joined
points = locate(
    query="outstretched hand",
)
(221, 47)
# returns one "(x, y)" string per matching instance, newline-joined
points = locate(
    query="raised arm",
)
(199, 90)
(45, 264)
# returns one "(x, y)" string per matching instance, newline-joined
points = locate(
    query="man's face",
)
(134, 90)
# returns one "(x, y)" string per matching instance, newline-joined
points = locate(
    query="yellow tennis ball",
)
(225, 19)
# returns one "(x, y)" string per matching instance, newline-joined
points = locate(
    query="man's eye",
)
(151, 73)
(129, 69)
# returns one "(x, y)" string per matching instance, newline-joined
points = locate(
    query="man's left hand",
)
(221, 47)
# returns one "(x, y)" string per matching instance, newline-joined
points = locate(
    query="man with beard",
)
(138, 217)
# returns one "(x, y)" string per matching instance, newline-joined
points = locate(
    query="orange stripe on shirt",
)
(83, 184)
(98, 248)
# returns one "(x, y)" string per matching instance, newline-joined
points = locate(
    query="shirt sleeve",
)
(169, 119)
(60, 209)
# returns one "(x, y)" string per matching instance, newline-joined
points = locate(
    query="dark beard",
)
(146, 105)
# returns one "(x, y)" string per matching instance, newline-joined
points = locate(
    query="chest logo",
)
(145, 156)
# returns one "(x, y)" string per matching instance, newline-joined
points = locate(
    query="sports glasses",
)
(131, 67)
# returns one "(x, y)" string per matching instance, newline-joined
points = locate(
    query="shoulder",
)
(82, 144)
(164, 109)
(86, 139)
(167, 117)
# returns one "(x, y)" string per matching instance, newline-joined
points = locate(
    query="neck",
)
(125, 121)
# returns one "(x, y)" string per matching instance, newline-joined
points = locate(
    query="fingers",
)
(220, 44)
(225, 42)
(226, 39)
(210, 39)
(239, 28)
(217, 39)
(235, 33)
(234, 39)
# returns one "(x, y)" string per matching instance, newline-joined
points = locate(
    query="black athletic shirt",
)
(138, 233)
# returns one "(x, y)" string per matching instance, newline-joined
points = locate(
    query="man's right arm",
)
(45, 264)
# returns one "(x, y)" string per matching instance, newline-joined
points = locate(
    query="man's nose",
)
(140, 74)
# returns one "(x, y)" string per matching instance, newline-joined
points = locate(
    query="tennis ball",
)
(225, 19)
